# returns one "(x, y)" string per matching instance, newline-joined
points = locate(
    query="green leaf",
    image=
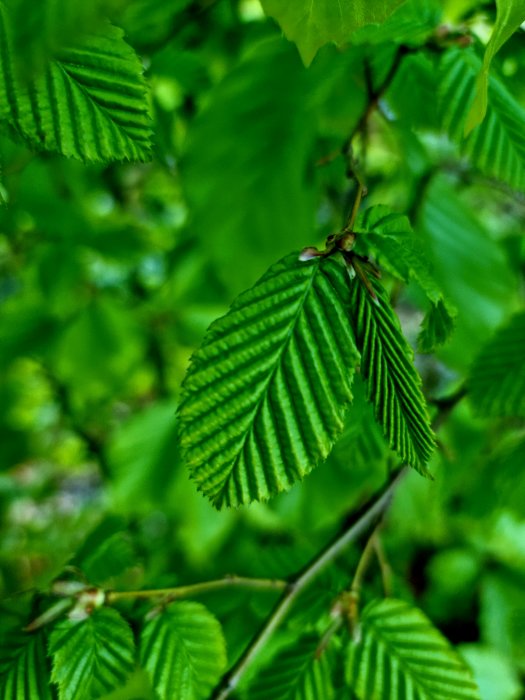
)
(40, 29)
(253, 142)
(437, 327)
(469, 265)
(183, 651)
(24, 672)
(91, 657)
(393, 385)
(89, 102)
(313, 23)
(511, 14)
(410, 24)
(266, 395)
(296, 673)
(401, 654)
(497, 378)
(390, 236)
(496, 146)
(141, 455)
(106, 552)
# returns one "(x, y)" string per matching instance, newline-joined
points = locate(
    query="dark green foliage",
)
(156, 157)
(298, 672)
(24, 669)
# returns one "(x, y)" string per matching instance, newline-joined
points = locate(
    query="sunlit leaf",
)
(266, 395)
(401, 654)
(511, 14)
(183, 651)
(313, 23)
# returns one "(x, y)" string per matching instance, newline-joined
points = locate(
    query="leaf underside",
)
(265, 396)
(497, 379)
(313, 23)
(88, 101)
(393, 385)
(436, 328)
(401, 656)
(183, 652)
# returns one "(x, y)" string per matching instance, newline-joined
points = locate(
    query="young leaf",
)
(390, 236)
(401, 654)
(183, 651)
(313, 23)
(437, 327)
(91, 657)
(297, 673)
(24, 672)
(511, 13)
(496, 146)
(88, 102)
(394, 387)
(265, 396)
(497, 378)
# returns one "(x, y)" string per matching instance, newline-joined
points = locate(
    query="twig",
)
(376, 508)
(198, 588)
(384, 566)
(361, 192)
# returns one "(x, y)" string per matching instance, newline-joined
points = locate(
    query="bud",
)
(309, 253)
(346, 242)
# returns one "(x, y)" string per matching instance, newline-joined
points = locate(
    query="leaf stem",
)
(368, 516)
(198, 588)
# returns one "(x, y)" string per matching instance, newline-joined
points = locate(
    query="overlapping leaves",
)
(390, 236)
(266, 395)
(511, 14)
(298, 672)
(496, 146)
(87, 101)
(401, 655)
(497, 378)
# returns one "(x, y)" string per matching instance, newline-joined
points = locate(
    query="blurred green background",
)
(110, 275)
